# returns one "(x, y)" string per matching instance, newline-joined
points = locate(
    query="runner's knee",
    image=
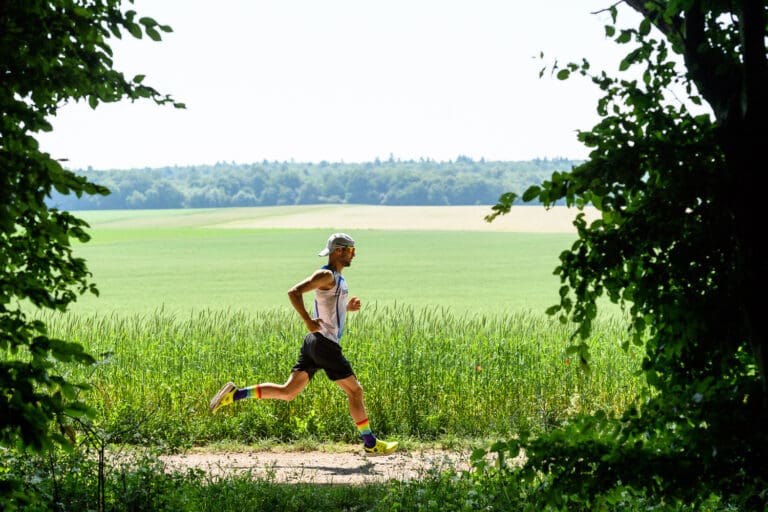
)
(355, 392)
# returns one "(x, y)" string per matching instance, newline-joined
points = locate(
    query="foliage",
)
(142, 482)
(478, 377)
(51, 52)
(391, 182)
(678, 246)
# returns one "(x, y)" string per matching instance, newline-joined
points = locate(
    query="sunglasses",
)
(351, 250)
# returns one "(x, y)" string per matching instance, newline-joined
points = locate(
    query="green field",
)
(180, 263)
(451, 342)
(428, 375)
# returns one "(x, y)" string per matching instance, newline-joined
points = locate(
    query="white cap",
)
(335, 241)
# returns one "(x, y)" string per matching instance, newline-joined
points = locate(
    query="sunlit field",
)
(452, 340)
(428, 374)
(183, 269)
(182, 260)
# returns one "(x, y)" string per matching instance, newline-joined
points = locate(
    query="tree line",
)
(463, 181)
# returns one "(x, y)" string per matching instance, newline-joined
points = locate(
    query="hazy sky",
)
(347, 80)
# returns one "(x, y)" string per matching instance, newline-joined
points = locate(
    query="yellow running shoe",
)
(225, 396)
(382, 447)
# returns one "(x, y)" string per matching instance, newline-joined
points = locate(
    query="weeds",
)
(426, 374)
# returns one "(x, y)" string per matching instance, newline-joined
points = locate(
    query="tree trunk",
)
(744, 135)
(736, 87)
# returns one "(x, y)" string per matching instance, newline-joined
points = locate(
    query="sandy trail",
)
(321, 467)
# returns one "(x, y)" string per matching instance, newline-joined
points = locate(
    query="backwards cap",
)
(335, 241)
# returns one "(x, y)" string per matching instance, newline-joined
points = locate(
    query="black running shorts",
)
(318, 352)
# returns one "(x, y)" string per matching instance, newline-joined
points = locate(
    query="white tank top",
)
(331, 306)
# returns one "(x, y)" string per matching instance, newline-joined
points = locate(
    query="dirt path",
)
(321, 467)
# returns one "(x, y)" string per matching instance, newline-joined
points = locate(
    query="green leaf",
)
(552, 310)
(153, 34)
(624, 37)
(147, 22)
(563, 74)
(115, 29)
(80, 410)
(531, 193)
(623, 66)
(645, 27)
(134, 29)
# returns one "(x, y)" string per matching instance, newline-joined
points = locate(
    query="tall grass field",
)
(451, 343)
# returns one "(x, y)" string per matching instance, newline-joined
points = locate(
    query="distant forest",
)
(389, 182)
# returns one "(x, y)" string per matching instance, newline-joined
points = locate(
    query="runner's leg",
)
(288, 391)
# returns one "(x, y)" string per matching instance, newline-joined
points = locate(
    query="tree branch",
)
(708, 67)
(654, 11)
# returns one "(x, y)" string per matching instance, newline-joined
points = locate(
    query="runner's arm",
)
(322, 279)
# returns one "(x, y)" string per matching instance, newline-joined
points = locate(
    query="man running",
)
(322, 346)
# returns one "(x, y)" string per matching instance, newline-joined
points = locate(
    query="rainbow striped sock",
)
(249, 392)
(364, 428)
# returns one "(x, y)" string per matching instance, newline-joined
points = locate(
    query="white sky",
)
(347, 80)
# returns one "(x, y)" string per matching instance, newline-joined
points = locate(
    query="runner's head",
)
(337, 241)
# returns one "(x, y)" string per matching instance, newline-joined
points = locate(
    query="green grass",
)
(140, 270)
(428, 375)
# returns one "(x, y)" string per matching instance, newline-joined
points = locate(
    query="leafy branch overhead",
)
(51, 53)
(674, 170)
